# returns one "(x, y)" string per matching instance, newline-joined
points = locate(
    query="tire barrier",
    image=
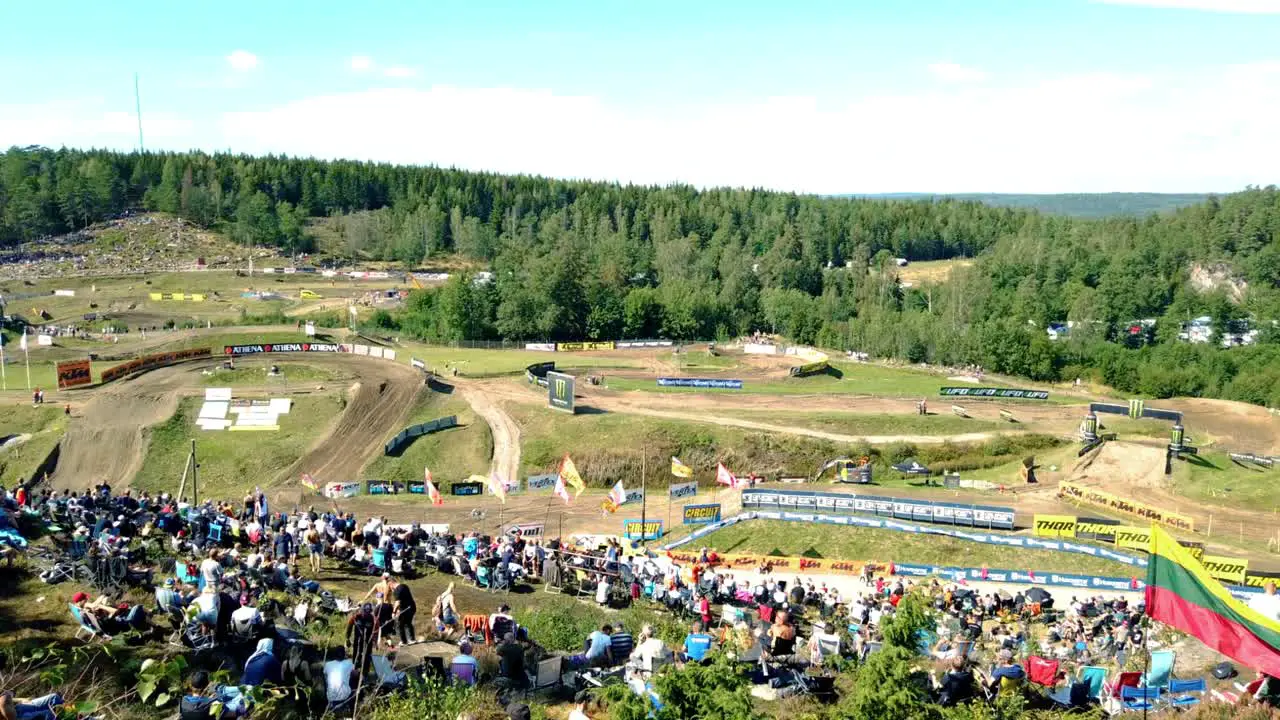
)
(816, 362)
(396, 445)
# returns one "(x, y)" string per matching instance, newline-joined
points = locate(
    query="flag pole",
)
(26, 356)
(644, 499)
(3, 377)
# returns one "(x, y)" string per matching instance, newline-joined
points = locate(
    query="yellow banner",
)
(1134, 538)
(1228, 569)
(156, 296)
(1055, 525)
(1254, 580)
(579, 346)
(1093, 496)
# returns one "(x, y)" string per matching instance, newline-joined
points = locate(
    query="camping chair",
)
(463, 672)
(1042, 672)
(1087, 686)
(477, 628)
(780, 651)
(1186, 693)
(378, 562)
(78, 548)
(1159, 670)
(85, 624)
(184, 574)
(548, 674)
(828, 647)
(1139, 698)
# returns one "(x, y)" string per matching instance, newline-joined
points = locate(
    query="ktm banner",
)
(148, 362)
(74, 373)
(814, 566)
(1055, 526)
(1093, 496)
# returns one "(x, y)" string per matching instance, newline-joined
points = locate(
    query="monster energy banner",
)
(560, 391)
(1137, 409)
(997, 392)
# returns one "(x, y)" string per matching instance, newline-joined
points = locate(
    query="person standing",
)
(404, 609)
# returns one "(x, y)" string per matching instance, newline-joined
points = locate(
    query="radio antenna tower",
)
(137, 101)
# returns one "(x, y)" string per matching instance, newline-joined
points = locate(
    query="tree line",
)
(588, 260)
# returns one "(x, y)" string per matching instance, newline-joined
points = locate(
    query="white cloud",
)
(361, 63)
(1262, 7)
(399, 71)
(1208, 130)
(954, 73)
(242, 61)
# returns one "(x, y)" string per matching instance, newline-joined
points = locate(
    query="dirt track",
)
(505, 431)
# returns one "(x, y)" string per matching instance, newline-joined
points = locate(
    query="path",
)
(505, 431)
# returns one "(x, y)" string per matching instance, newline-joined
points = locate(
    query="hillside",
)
(1079, 205)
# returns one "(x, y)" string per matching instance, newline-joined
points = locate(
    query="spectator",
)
(649, 649)
(445, 611)
(464, 657)
(168, 600)
(621, 644)
(511, 665)
(210, 570)
(199, 703)
(41, 708)
(262, 666)
(1007, 669)
(501, 622)
(1268, 603)
(957, 686)
(361, 632)
(598, 646)
(704, 609)
(246, 620)
(339, 676)
(697, 643)
(404, 608)
(602, 590)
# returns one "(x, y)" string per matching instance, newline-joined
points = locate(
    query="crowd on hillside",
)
(228, 582)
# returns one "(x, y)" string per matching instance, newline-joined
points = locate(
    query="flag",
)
(498, 486)
(561, 491)
(618, 495)
(22, 344)
(679, 469)
(432, 492)
(1181, 593)
(569, 475)
(724, 477)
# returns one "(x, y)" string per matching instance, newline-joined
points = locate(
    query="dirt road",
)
(505, 431)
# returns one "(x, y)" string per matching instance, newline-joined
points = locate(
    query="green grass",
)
(855, 379)
(703, 360)
(769, 537)
(857, 424)
(451, 454)
(46, 424)
(231, 462)
(475, 362)
(1213, 478)
(294, 374)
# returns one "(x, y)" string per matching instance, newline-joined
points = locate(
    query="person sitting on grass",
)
(598, 646)
(957, 686)
(696, 644)
(41, 708)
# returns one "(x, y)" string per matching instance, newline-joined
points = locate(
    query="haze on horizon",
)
(821, 97)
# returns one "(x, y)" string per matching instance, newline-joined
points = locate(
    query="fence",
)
(396, 445)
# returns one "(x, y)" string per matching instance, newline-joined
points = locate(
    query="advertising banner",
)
(1100, 529)
(635, 530)
(701, 514)
(776, 563)
(635, 495)
(342, 490)
(1055, 525)
(416, 363)
(683, 490)
(528, 531)
(74, 373)
(1093, 496)
(466, 488)
(382, 487)
(541, 482)
(540, 347)
(920, 510)
(560, 391)
(1259, 579)
(148, 362)
(281, 348)
(713, 383)
(580, 346)
(416, 487)
(995, 392)
(1227, 569)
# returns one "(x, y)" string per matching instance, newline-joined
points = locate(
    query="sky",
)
(850, 96)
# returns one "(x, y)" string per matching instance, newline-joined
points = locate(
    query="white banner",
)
(46, 340)
(526, 530)
(375, 351)
(540, 347)
(360, 349)
(342, 490)
(388, 354)
(311, 329)
(759, 349)
(65, 293)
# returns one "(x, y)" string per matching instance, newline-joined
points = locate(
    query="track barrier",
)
(396, 445)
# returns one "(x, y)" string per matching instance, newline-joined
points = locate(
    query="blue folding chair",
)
(1186, 693)
(215, 533)
(83, 626)
(1139, 698)
(379, 561)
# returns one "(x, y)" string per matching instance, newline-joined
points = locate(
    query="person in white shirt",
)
(246, 619)
(211, 570)
(602, 591)
(648, 649)
(338, 675)
(1268, 603)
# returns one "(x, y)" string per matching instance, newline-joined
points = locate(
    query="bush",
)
(562, 624)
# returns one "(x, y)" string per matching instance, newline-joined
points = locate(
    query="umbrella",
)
(1039, 595)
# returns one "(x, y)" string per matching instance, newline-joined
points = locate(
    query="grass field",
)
(1215, 479)
(930, 271)
(290, 374)
(451, 454)
(859, 424)
(232, 461)
(848, 379)
(45, 424)
(477, 362)
(766, 537)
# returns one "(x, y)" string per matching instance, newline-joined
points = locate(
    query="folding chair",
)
(1186, 693)
(1161, 667)
(1134, 699)
(548, 674)
(463, 672)
(85, 624)
(1042, 672)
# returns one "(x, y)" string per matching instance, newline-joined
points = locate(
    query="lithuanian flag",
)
(1181, 593)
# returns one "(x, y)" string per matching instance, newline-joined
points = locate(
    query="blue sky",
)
(831, 97)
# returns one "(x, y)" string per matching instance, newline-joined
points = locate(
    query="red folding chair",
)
(1042, 672)
(1123, 680)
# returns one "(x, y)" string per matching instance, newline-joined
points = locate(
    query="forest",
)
(577, 259)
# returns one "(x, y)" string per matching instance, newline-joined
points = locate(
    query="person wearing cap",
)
(1006, 669)
(168, 600)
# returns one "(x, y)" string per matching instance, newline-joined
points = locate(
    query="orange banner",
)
(812, 566)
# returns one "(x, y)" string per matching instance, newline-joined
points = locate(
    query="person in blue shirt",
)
(1006, 668)
(262, 666)
(464, 657)
(598, 645)
(697, 643)
(284, 546)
